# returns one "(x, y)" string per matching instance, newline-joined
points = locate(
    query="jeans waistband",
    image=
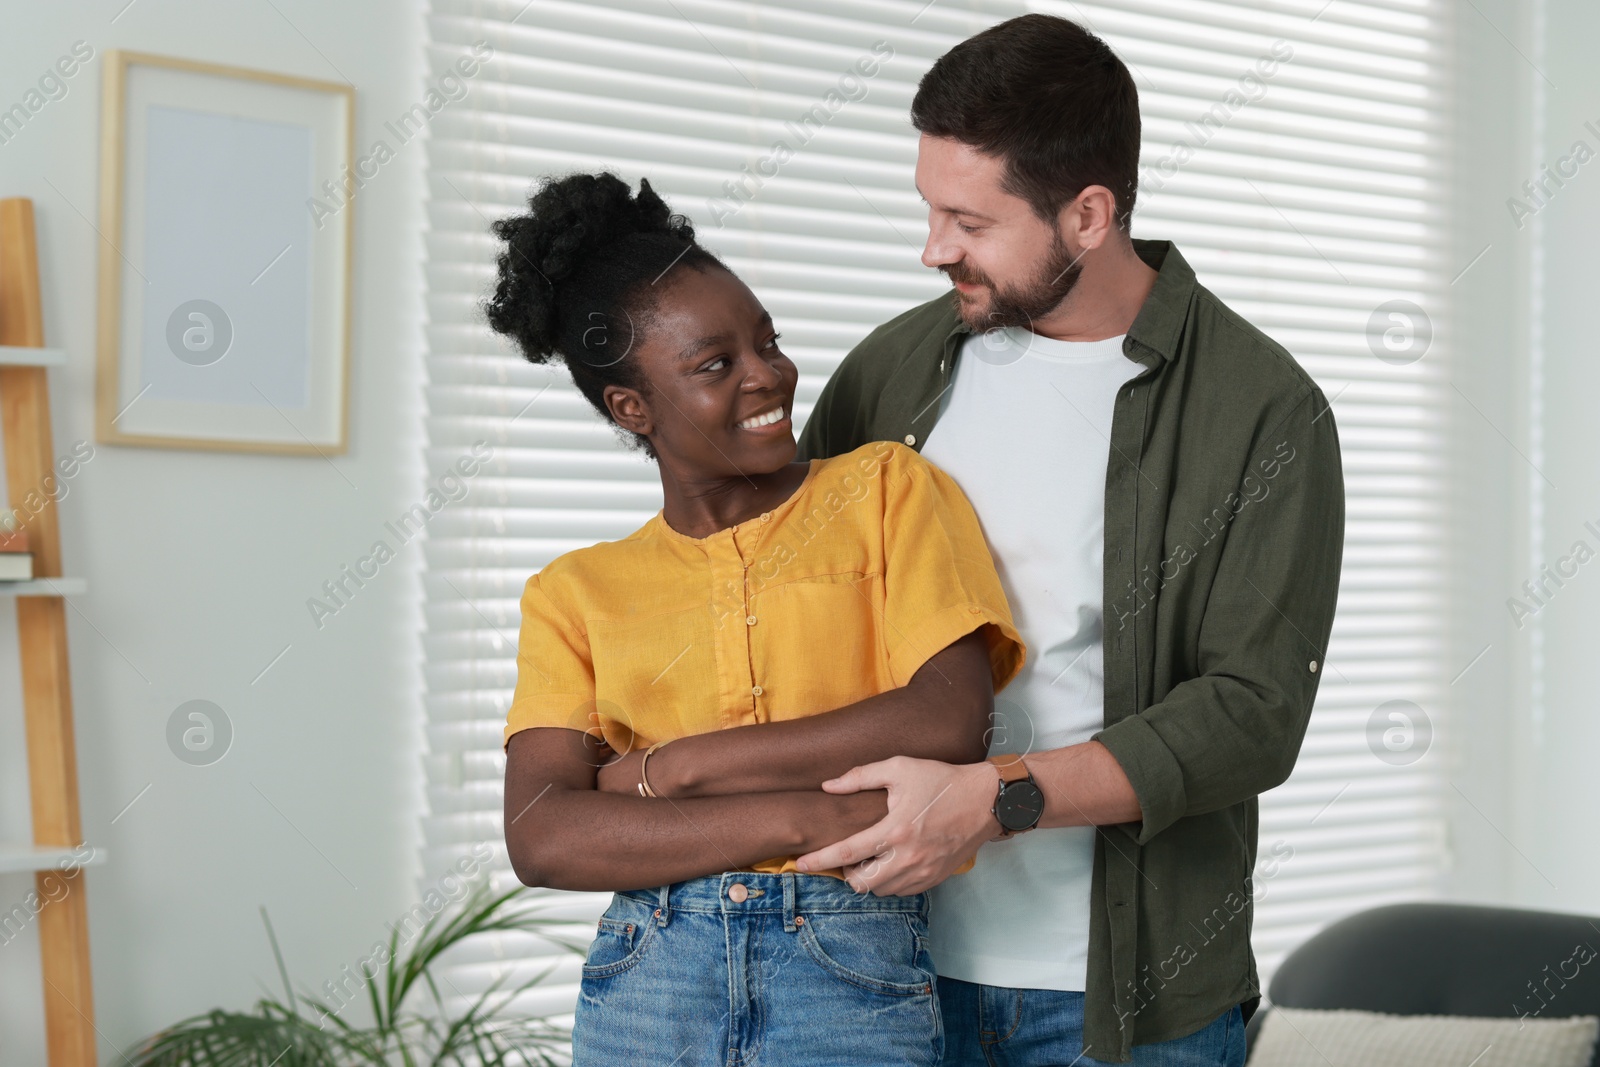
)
(788, 893)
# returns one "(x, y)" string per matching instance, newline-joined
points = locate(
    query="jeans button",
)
(737, 892)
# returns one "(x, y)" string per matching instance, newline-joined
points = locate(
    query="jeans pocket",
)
(621, 937)
(881, 951)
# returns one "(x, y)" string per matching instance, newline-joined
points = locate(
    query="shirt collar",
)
(1161, 318)
(1160, 321)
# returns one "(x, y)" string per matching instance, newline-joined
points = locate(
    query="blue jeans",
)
(802, 972)
(991, 1026)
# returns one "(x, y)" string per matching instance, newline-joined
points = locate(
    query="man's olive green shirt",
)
(1224, 527)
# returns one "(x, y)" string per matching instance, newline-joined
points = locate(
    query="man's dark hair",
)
(577, 279)
(1048, 97)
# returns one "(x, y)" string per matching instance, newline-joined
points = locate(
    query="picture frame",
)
(227, 225)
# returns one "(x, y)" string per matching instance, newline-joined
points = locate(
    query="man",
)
(1161, 489)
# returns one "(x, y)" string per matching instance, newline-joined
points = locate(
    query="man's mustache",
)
(963, 278)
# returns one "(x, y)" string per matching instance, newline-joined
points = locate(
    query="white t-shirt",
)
(1025, 432)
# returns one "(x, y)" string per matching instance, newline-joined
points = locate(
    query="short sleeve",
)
(555, 673)
(940, 581)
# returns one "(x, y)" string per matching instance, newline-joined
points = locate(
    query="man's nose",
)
(937, 252)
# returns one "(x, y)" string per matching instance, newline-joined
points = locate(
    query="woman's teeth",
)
(775, 415)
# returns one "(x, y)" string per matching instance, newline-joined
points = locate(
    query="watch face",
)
(1019, 806)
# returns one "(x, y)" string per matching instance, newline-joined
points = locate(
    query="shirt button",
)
(756, 690)
(766, 516)
(737, 892)
(749, 620)
(974, 609)
(911, 438)
(1313, 666)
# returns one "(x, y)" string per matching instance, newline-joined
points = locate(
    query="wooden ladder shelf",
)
(55, 855)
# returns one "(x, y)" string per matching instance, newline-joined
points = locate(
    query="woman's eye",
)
(718, 363)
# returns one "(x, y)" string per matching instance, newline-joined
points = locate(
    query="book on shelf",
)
(16, 562)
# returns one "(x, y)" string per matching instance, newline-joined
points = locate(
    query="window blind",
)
(1310, 198)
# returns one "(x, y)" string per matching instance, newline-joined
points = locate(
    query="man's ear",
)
(629, 409)
(1091, 218)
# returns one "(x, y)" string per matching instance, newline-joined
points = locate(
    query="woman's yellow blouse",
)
(842, 592)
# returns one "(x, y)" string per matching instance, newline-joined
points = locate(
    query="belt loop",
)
(663, 910)
(789, 925)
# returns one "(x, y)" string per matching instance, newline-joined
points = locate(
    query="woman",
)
(780, 622)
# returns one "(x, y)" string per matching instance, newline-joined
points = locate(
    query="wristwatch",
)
(1019, 802)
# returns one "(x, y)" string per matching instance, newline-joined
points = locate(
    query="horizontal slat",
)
(13, 355)
(45, 587)
(18, 857)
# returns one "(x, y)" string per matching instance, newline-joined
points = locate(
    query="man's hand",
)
(939, 815)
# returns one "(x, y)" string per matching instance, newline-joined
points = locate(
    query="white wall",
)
(1488, 328)
(1524, 792)
(199, 566)
(1557, 815)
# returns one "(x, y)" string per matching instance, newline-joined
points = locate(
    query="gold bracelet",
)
(644, 781)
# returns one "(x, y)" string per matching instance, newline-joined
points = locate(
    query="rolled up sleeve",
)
(1235, 730)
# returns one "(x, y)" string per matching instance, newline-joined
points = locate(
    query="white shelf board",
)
(16, 857)
(45, 587)
(33, 357)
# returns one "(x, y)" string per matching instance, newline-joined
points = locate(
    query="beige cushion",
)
(1305, 1037)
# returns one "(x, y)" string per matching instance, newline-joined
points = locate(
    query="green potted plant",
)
(279, 1034)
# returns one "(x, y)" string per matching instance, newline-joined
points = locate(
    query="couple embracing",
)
(769, 720)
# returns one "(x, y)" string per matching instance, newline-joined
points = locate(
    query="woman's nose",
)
(762, 373)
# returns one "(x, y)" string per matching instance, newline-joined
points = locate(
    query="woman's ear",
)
(628, 409)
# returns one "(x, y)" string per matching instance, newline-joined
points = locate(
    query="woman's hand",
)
(619, 774)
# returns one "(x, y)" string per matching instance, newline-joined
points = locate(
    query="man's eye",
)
(968, 229)
(712, 365)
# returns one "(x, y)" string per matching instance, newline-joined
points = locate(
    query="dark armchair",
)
(1446, 959)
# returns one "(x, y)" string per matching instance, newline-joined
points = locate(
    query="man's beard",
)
(1021, 306)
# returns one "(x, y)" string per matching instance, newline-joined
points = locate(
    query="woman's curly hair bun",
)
(571, 219)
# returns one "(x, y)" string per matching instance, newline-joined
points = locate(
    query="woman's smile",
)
(772, 420)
